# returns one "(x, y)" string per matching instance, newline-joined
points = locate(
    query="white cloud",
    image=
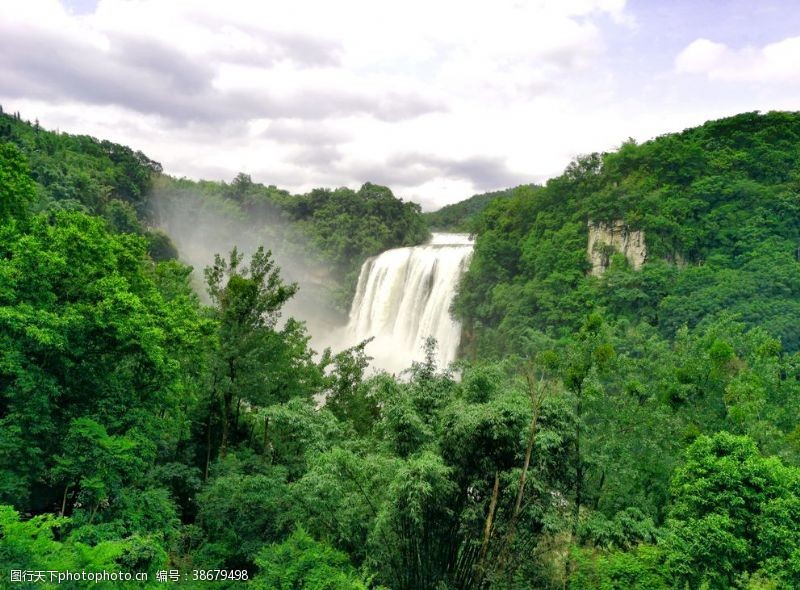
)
(440, 99)
(426, 95)
(774, 62)
(700, 57)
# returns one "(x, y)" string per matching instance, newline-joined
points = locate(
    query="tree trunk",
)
(226, 412)
(227, 402)
(487, 529)
(266, 437)
(523, 478)
(208, 447)
(578, 466)
(579, 474)
(536, 391)
(64, 500)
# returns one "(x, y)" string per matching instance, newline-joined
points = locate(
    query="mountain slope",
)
(719, 206)
(458, 217)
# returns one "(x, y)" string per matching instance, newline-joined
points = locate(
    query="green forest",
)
(332, 231)
(461, 216)
(630, 429)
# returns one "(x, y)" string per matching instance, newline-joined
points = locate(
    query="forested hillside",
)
(460, 217)
(632, 430)
(325, 232)
(718, 205)
(81, 173)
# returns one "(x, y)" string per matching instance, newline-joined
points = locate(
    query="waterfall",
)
(404, 296)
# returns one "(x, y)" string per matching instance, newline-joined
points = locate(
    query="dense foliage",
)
(81, 173)
(635, 430)
(719, 208)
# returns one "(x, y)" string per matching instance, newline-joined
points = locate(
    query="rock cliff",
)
(607, 238)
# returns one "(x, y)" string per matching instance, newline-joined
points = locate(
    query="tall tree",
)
(256, 363)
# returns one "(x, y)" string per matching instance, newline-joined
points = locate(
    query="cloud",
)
(149, 77)
(250, 45)
(321, 102)
(140, 75)
(773, 62)
(316, 156)
(292, 131)
(308, 93)
(146, 74)
(411, 169)
(483, 172)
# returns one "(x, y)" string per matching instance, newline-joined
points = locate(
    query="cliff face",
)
(607, 238)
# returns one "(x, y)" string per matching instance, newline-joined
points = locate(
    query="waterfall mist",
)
(200, 231)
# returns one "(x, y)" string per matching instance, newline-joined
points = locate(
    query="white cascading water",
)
(404, 296)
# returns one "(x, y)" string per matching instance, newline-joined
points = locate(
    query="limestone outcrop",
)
(607, 238)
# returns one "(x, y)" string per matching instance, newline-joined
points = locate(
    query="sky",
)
(438, 99)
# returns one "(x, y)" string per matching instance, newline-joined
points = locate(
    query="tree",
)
(17, 190)
(84, 335)
(94, 465)
(590, 353)
(31, 545)
(241, 512)
(122, 218)
(347, 394)
(302, 562)
(247, 302)
(734, 513)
